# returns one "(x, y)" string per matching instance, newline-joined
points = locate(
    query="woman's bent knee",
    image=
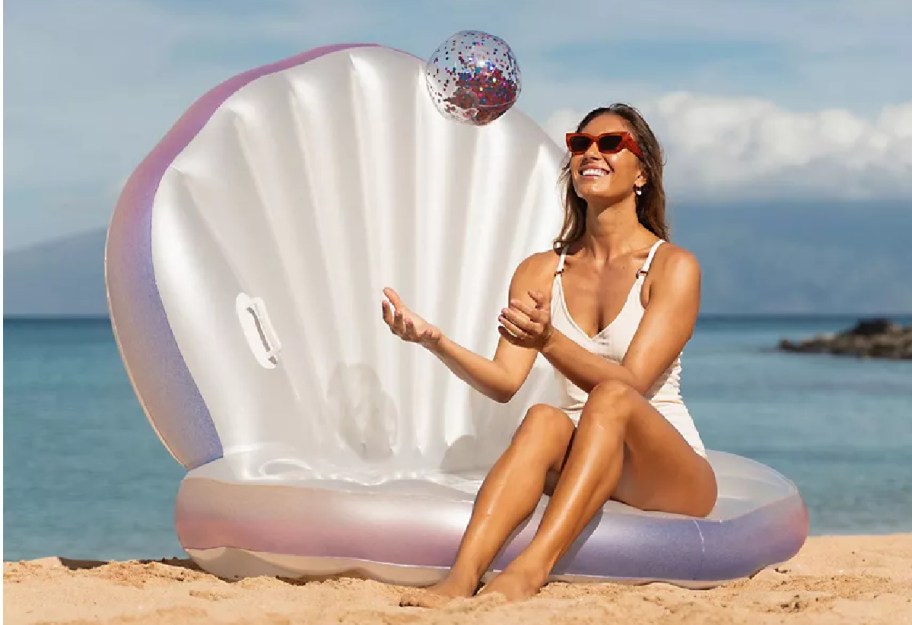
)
(611, 401)
(612, 392)
(544, 424)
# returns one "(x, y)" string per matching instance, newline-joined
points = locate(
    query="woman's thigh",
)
(661, 471)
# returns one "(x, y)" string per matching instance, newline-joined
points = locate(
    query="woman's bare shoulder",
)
(673, 262)
(539, 263)
(537, 269)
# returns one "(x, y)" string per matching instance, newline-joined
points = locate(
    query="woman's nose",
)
(593, 150)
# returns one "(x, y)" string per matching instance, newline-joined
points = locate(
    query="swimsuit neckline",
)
(563, 303)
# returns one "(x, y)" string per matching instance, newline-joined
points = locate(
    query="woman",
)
(611, 308)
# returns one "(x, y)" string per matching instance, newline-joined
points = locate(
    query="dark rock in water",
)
(871, 327)
(870, 338)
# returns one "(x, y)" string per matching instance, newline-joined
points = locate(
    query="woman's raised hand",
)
(405, 324)
(525, 325)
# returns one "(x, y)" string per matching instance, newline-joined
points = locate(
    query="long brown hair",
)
(650, 206)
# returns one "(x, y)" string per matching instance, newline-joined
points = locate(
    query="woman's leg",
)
(623, 448)
(509, 494)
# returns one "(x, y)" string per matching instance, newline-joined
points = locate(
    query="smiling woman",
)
(620, 430)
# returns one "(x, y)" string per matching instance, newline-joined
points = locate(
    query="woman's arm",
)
(498, 378)
(581, 366)
(667, 325)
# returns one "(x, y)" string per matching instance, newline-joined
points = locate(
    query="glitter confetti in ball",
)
(473, 77)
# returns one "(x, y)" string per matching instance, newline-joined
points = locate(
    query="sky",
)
(755, 100)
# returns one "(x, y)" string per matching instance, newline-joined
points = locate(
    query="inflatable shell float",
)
(244, 266)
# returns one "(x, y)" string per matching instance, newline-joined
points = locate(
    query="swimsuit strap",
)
(645, 268)
(560, 264)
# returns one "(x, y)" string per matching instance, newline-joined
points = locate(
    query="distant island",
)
(870, 338)
(750, 264)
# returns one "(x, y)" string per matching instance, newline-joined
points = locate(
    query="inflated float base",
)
(225, 562)
(238, 517)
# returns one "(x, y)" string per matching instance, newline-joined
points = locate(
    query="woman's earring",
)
(639, 191)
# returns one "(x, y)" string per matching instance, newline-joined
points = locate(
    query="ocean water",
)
(86, 477)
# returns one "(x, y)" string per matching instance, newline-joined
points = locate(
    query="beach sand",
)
(834, 579)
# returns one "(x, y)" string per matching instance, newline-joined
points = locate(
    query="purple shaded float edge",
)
(322, 523)
(743, 546)
(160, 378)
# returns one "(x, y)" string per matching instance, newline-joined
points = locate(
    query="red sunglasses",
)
(608, 143)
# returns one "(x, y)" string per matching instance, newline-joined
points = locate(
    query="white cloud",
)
(91, 86)
(731, 149)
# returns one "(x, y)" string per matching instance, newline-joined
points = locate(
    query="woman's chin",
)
(592, 191)
(591, 188)
(601, 197)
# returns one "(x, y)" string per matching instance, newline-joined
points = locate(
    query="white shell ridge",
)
(313, 188)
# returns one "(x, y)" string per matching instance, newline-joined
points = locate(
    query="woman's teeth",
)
(594, 172)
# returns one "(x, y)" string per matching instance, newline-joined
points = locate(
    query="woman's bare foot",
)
(440, 593)
(517, 582)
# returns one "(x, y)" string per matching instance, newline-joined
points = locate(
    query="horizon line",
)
(704, 316)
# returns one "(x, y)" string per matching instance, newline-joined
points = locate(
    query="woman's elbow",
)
(504, 387)
(504, 392)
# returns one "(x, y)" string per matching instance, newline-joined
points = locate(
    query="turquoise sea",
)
(86, 477)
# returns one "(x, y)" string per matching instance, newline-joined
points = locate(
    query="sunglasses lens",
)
(579, 143)
(609, 143)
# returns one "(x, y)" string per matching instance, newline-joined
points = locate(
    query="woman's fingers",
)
(389, 318)
(404, 323)
(534, 325)
(393, 297)
(517, 318)
(520, 323)
(510, 338)
(542, 300)
(513, 328)
(399, 322)
(387, 313)
(392, 311)
(530, 326)
(395, 300)
(535, 314)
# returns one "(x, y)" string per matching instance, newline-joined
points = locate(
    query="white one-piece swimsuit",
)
(612, 343)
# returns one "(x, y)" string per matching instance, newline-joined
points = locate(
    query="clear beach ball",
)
(473, 77)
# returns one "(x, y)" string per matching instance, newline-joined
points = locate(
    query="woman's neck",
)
(612, 232)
